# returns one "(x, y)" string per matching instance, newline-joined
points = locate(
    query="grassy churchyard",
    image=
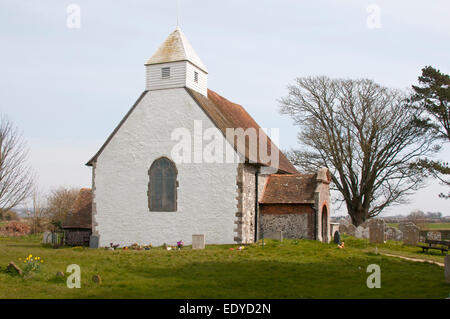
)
(288, 269)
(429, 226)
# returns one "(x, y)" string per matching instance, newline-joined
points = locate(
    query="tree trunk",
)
(358, 216)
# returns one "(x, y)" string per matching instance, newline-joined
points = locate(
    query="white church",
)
(153, 181)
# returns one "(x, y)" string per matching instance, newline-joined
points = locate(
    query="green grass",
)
(291, 269)
(428, 226)
(395, 248)
(438, 226)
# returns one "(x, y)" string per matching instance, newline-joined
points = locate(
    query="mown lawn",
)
(291, 269)
(395, 248)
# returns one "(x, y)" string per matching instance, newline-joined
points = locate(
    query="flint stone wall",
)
(292, 225)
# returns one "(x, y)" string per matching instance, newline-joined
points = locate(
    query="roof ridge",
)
(238, 118)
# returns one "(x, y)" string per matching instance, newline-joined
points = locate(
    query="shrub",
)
(16, 229)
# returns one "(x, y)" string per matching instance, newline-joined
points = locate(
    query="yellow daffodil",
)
(30, 256)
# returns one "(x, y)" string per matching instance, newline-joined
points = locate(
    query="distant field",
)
(429, 226)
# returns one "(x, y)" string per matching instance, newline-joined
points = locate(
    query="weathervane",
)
(178, 13)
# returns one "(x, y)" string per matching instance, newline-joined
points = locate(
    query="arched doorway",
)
(324, 224)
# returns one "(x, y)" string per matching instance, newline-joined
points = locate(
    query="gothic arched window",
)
(162, 187)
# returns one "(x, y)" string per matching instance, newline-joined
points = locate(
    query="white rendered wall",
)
(206, 193)
(181, 75)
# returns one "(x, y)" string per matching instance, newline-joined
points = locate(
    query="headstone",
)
(47, 237)
(342, 228)
(402, 225)
(410, 234)
(362, 232)
(351, 230)
(333, 228)
(277, 235)
(377, 231)
(97, 279)
(447, 269)
(94, 241)
(434, 235)
(393, 233)
(337, 237)
(198, 241)
(13, 268)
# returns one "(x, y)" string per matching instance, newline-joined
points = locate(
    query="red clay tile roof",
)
(289, 189)
(81, 214)
(225, 114)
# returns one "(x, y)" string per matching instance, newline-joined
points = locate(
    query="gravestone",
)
(337, 237)
(393, 233)
(94, 241)
(277, 234)
(13, 268)
(447, 269)
(403, 225)
(198, 241)
(377, 229)
(47, 237)
(434, 235)
(333, 228)
(351, 230)
(410, 234)
(342, 228)
(362, 232)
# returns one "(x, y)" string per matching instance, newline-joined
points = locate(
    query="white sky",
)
(68, 88)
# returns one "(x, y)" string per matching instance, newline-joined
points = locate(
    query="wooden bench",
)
(442, 245)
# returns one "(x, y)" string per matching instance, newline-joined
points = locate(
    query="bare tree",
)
(417, 217)
(363, 134)
(39, 211)
(60, 202)
(16, 178)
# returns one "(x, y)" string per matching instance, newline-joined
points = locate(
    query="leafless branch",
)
(16, 177)
(364, 134)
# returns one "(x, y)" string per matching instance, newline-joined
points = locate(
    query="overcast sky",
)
(67, 88)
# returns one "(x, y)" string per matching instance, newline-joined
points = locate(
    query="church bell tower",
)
(175, 64)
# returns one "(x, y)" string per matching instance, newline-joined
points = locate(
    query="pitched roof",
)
(176, 48)
(81, 214)
(225, 114)
(289, 189)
